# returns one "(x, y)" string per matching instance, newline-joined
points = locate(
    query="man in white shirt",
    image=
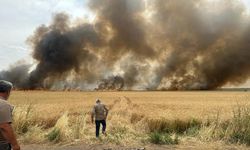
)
(7, 135)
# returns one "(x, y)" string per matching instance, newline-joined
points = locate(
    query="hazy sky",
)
(19, 18)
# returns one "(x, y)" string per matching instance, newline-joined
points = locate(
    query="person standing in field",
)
(8, 139)
(99, 114)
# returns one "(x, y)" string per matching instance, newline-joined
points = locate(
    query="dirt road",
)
(190, 146)
(92, 147)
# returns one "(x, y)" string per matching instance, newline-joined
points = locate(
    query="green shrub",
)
(160, 138)
(54, 135)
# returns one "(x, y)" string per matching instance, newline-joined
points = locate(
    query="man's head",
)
(5, 88)
(98, 101)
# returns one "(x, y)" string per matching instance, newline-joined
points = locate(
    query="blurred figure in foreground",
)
(7, 136)
(99, 114)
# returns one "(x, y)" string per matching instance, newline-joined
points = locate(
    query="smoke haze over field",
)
(135, 44)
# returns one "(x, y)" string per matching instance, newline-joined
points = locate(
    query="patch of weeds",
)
(54, 135)
(163, 138)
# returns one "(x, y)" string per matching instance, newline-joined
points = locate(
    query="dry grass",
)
(42, 116)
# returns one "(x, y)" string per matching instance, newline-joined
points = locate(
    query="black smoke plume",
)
(111, 83)
(141, 44)
(18, 74)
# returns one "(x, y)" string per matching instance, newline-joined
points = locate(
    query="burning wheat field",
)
(161, 67)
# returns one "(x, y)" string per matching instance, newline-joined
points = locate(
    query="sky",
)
(20, 18)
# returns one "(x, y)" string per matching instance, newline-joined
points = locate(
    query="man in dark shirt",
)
(100, 113)
(7, 136)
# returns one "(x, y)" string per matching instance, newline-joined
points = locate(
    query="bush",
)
(238, 130)
(117, 134)
(160, 138)
(35, 135)
(234, 130)
(23, 119)
(54, 135)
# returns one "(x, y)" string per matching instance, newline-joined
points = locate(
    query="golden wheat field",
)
(134, 118)
(154, 104)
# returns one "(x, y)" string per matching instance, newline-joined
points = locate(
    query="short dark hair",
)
(5, 86)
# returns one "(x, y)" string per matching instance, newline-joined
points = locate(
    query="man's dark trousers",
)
(98, 124)
(5, 147)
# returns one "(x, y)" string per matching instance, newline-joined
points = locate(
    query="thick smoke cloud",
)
(136, 44)
(60, 49)
(18, 74)
(208, 46)
(123, 18)
(111, 83)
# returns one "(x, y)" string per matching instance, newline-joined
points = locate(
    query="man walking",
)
(7, 136)
(100, 113)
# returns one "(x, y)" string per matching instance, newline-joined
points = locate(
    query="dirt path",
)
(190, 146)
(92, 147)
